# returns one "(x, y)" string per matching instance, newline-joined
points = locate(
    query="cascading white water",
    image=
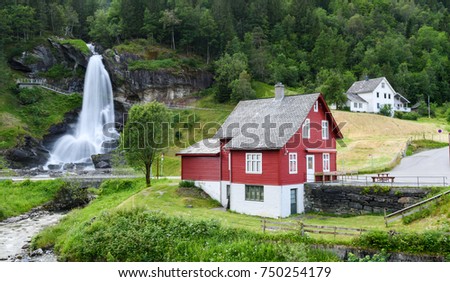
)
(97, 111)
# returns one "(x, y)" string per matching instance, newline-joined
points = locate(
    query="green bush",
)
(432, 242)
(135, 235)
(386, 110)
(153, 65)
(58, 71)
(186, 184)
(28, 96)
(380, 257)
(410, 116)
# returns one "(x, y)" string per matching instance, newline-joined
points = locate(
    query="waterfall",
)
(97, 111)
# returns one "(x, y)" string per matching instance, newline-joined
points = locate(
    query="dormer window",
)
(382, 85)
(316, 106)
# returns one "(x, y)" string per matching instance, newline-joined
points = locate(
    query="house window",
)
(293, 163)
(326, 162)
(316, 106)
(355, 105)
(382, 85)
(360, 105)
(384, 95)
(378, 94)
(253, 163)
(254, 193)
(306, 129)
(389, 96)
(325, 129)
(378, 105)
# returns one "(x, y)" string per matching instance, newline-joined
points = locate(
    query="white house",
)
(370, 95)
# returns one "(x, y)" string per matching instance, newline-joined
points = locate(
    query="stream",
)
(16, 233)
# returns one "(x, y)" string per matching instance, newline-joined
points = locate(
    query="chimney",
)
(279, 91)
(366, 78)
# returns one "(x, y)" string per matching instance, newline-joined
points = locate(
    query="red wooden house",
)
(259, 160)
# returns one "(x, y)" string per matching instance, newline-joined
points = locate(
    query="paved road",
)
(428, 163)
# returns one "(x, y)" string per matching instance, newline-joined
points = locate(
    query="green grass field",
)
(19, 197)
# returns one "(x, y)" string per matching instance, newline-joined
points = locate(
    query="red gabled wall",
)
(200, 168)
(270, 168)
(299, 145)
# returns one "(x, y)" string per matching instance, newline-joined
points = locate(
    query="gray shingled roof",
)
(401, 97)
(245, 125)
(365, 86)
(355, 98)
(210, 146)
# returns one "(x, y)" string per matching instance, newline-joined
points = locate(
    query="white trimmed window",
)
(253, 163)
(254, 193)
(293, 163)
(326, 162)
(316, 106)
(306, 129)
(325, 134)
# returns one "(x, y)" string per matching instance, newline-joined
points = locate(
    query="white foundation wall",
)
(212, 188)
(277, 201)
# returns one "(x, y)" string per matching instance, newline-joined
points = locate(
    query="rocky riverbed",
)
(16, 233)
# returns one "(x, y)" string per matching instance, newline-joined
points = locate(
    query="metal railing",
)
(411, 209)
(41, 82)
(400, 181)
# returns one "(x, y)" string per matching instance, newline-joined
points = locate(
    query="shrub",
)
(379, 257)
(186, 184)
(135, 235)
(410, 116)
(28, 96)
(117, 185)
(153, 65)
(386, 110)
(433, 242)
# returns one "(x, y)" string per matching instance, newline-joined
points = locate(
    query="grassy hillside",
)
(373, 142)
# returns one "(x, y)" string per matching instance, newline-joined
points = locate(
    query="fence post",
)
(335, 231)
(264, 225)
(418, 182)
(385, 219)
(302, 229)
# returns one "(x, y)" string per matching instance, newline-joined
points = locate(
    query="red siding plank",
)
(200, 168)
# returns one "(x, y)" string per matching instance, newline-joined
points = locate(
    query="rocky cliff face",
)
(145, 86)
(44, 57)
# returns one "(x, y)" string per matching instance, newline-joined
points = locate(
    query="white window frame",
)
(325, 130)
(293, 164)
(253, 163)
(326, 162)
(355, 105)
(316, 106)
(306, 129)
(382, 85)
(229, 161)
(360, 105)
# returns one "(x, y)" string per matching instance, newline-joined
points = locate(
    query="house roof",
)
(364, 86)
(355, 98)
(267, 123)
(207, 147)
(402, 98)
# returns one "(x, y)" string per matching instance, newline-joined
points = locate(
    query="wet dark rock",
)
(54, 166)
(31, 153)
(38, 252)
(102, 161)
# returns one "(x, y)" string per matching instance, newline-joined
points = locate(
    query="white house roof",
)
(209, 146)
(401, 97)
(355, 98)
(364, 86)
(266, 123)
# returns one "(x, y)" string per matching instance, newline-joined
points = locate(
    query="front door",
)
(293, 201)
(310, 168)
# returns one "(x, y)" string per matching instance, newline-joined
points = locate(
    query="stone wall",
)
(339, 199)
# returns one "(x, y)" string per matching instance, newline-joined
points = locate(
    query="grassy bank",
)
(417, 146)
(19, 197)
(117, 227)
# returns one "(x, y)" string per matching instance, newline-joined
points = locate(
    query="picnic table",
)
(383, 177)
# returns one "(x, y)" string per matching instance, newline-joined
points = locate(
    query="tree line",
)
(320, 45)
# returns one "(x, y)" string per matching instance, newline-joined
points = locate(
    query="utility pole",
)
(429, 109)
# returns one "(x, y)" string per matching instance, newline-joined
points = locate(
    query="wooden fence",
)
(300, 227)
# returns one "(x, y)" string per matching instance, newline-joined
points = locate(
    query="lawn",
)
(19, 197)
